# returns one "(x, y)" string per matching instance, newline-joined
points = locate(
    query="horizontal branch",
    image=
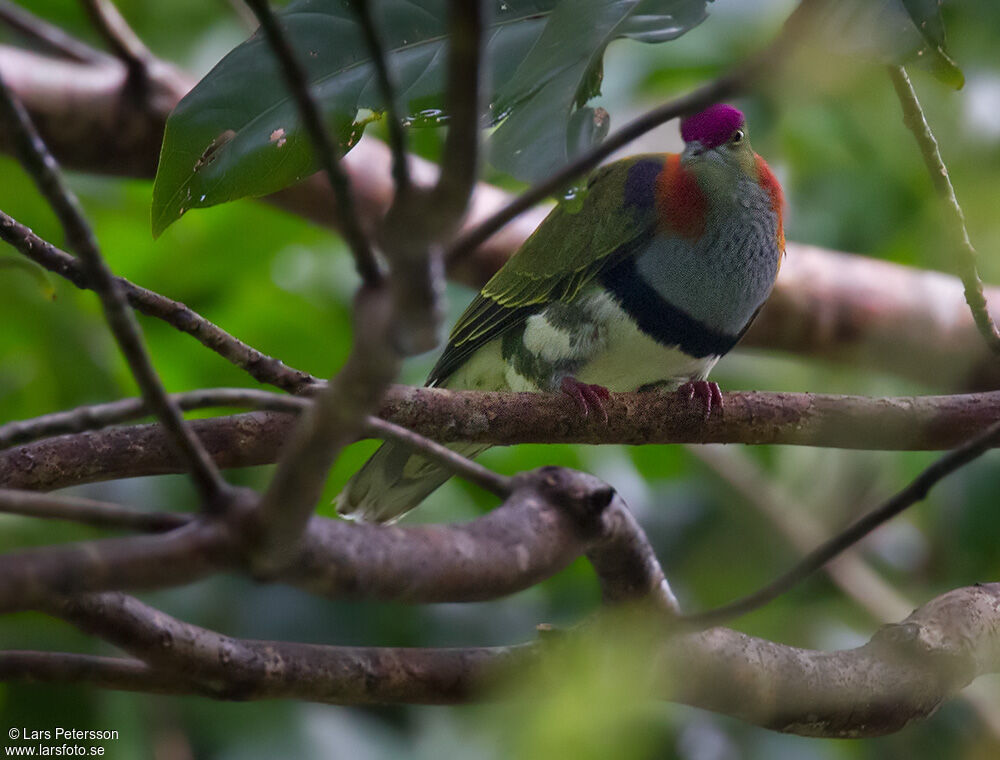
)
(804, 419)
(903, 674)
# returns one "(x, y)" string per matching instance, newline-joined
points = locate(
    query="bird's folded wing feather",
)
(567, 251)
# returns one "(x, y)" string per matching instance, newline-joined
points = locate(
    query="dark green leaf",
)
(563, 71)
(237, 134)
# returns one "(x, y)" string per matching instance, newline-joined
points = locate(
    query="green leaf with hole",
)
(237, 133)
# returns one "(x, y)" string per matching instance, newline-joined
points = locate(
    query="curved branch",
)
(903, 674)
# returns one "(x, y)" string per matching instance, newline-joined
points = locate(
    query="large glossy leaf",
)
(237, 133)
(562, 72)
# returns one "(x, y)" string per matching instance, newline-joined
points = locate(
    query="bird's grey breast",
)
(721, 278)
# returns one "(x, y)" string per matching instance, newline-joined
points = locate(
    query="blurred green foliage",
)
(854, 181)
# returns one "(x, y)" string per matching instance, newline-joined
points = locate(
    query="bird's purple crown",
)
(713, 126)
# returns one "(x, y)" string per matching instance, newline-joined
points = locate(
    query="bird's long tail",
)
(395, 480)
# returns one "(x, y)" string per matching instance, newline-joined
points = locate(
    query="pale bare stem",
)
(87, 512)
(386, 83)
(903, 674)
(48, 36)
(916, 122)
(259, 366)
(43, 169)
(123, 42)
(850, 572)
(327, 153)
(910, 495)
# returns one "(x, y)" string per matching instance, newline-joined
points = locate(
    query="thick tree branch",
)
(42, 168)
(99, 672)
(243, 440)
(181, 556)
(903, 674)
(552, 516)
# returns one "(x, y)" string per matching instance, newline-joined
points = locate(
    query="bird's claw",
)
(586, 396)
(709, 393)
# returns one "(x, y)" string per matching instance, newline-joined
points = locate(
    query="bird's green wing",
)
(568, 250)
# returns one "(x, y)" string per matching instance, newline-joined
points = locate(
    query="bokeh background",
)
(854, 181)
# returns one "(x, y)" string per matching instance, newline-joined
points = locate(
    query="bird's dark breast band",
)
(660, 320)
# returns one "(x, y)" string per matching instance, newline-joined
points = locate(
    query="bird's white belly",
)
(610, 351)
(631, 359)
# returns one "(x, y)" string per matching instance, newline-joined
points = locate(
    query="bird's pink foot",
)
(709, 394)
(586, 396)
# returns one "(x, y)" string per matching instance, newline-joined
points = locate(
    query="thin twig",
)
(468, 20)
(87, 511)
(913, 493)
(44, 170)
(124, 43)
(327, 154)
(97, 416)
(49, 35)
(259, 366)
(916, 122)
(387, 84)
(452, 461)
